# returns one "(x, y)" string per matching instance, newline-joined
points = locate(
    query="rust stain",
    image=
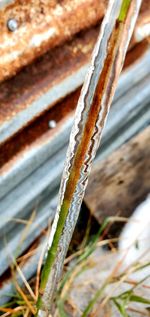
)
(95, 109)
(42, 24)
(16, 94)
(136, 52)
(143, 17)
(33, 81)
(145, 7)
(36, 131)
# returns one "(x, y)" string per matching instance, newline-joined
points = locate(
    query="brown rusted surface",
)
(144, 17)
(145, 7)
(19, 92)
(89, 130)
(118, 184)
(37, 131)
(139, 33)
(33, 81)
(98, 109)
(136, 52)
(42, 25)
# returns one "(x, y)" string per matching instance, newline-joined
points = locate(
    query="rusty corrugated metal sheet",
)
(45, 82)
(43, 208)
(31, 153)
(38, 137)
(38, 147)
(52, 76)
(42, 25)
(49, 79)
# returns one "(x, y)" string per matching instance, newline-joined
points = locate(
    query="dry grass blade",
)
(25, 282)
(137, 311)
(27, 312)
(24, 257)
(38, 274)
(22, 221)
(11, 310)
(23, 295)
(37, 284)
(25, 232)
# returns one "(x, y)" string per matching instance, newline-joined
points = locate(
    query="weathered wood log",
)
(119, 183)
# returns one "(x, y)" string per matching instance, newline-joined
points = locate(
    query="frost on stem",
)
(92, 109)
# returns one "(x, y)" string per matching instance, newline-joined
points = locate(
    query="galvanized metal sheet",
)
(44, 179)
(17, 162)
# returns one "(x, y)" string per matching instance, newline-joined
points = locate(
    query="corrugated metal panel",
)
(40, 26)
(32, 153)
(129, 113)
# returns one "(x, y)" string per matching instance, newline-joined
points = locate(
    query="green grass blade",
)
(124, 10)
(121, 308)
(91, 304)
(139, 299)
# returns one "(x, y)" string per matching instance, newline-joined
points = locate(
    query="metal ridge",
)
(18, 162)
(41, 26)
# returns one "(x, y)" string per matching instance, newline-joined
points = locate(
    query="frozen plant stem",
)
(92, 109)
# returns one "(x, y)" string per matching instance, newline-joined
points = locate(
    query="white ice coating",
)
(76, 132)
(81, 115)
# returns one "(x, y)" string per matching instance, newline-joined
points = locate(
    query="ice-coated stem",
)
(92, 109)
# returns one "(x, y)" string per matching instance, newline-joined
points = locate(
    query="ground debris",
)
(85, 285)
